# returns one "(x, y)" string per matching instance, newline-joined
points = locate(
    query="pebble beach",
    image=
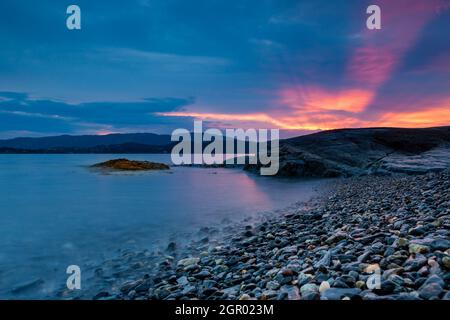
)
(369, 237)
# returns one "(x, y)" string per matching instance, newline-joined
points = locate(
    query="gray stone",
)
(272, 285)
(430, 290)
(339, 293)
(291, 292)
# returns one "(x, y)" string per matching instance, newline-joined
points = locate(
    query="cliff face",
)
(348, 152)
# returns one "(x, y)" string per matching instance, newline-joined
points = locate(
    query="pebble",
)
(291, 292)
(446, 262)
(391, 227)
(418, 248)
(339, 293)
(188, 262)
(325, 285)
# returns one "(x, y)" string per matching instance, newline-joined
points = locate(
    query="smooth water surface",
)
(56, 211)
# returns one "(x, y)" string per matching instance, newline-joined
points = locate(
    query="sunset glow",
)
(367, 94)
(299, 66)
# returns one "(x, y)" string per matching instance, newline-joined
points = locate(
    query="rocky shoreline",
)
(396, 228)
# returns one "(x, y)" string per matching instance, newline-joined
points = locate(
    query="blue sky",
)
(155, 65)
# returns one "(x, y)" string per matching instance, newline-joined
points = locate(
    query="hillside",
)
(85, 141)
(333, 153)
(347, 152)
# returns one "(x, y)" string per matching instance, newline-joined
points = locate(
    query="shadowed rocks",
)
(377, 151)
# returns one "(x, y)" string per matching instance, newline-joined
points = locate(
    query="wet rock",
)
(336, 237)
(189, 289)
(182, 281)
(144, 286)
(446, 262)
(415, 263)
(291, 292)
(418, 248)
(268, 294)
(339, 293)
(171, 246)
(272, 285)
(303, 279)
(202, 274)
(309, 290)
(417, 231)
(430, 290)
(440, 244)
(325, 285)
(188, 262)
(386, 287)
(325, 261)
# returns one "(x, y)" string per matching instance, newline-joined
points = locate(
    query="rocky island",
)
(130, 165)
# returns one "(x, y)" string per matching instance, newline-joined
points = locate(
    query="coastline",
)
(395, 226)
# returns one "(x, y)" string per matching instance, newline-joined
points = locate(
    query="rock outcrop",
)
(130, 165)
(379, 151)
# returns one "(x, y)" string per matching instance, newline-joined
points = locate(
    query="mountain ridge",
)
(84, 141)
(331, 153)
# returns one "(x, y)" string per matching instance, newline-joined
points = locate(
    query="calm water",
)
(54, 211)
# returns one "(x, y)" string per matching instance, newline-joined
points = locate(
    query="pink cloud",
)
(370, 66)
(317, 99)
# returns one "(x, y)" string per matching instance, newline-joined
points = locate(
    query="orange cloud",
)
(314, 99)
(262, 118)
(287, 121)
(292, 120)
(417, 119)
(313, 107)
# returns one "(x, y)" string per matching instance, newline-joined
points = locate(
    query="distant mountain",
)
(333, 153)
(348, 152)
(111, 143)
(68, 143)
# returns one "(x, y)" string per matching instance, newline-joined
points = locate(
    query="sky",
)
(157, 65)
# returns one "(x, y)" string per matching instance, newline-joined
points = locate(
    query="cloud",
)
(19, 96)
(317, 99)
(371, 66)
(438, 116)
(415, 119)
(291, 64)
(164, 61)
(20, 113)
(286, 121)
(252, 119)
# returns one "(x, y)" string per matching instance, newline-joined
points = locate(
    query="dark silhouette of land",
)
(332, 153)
